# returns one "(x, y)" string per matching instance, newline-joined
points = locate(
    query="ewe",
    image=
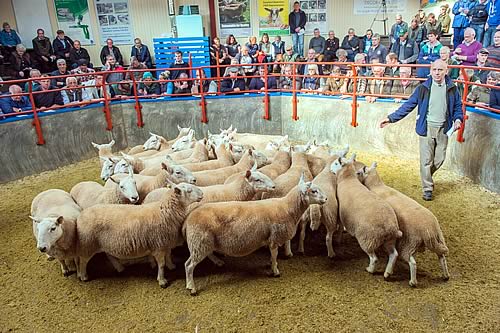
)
(420, 227)
(240, 228)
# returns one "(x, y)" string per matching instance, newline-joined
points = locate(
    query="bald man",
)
(11, 104)
(439, 110)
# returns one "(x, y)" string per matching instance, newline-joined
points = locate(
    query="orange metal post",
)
(294, 94)
(106, 109)
(36, 121)
(266, 96)
(460, 134)
(138, 106)
(203, 103)
(354, 105)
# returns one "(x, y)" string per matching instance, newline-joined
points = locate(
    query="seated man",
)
(93, 90)
(289, 56)
(480, 95)
(495, 97)
(334, 83)
(115, 68)
(286, 79)
(135, 65)
(234, 83)
(378, 86)
(182, 85)
(14, 104)
(311, 58)
(46, 97)
(83, 68)
(179, 65)
(392, 59)
(110, 50)
(482, 61)
(258, 83)
(318, 44)
(124, 90)
(73, 95)
(61, 70)
(403, 87)
(62, 45)
(78, 53)
(34, 73)
(147, 86)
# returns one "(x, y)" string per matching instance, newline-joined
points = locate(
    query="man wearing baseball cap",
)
(406, 50)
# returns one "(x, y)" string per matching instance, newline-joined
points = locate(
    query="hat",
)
(402, 32)
(82, 62)
(233, 70)
(147, 75)
(484, 51)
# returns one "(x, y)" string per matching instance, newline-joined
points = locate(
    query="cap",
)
(484, 51)
(82, 62)
(402, 32)
(147, 75)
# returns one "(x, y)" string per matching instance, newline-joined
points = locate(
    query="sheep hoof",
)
(193, 292)
(84, 278)
(49, 258)
(276, 275)
(164, 284)
(446, 278)
(67, 273)
(413, 284)
(370, 270)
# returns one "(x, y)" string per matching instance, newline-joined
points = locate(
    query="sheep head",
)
(49, 230)
(310, 192)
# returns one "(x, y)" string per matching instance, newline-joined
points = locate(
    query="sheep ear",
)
(95, 145)
(250, 152)
(126, 157)
(248, 174)
(301, 180)
(373, 166)
(114, 159)
(209, 134)
(166, 167)
(105, 158)
(112, 143)
(352, 159)
(177, 191)
(230, 128)
(60, 220)
(113, 180)
(169, 158)
(361, 172)
(254, 168)
(130, 170)
(34, 219)
(179, 128)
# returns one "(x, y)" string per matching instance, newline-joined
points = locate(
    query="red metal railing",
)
(354, 94)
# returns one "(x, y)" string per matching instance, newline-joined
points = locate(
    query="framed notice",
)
(74, 18)
(316, 12)
(115, 21)
(234, 17)
(273, 17)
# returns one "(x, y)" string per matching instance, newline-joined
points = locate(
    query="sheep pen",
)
(314, 293)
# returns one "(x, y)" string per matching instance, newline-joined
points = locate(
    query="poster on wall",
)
(115, 21)
(372, 7)
(273, 17)
(234, 17)
(316, 12)
(73, 18)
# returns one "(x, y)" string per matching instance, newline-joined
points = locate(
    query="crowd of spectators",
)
(257, 64)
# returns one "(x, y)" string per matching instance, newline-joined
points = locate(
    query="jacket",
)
(495, 98)
(420, 98)
(19, 63)
(142, 54)
(395, 29)
(278, 48)
(7, 104)
(355, 42)
(379, 52)
(9, 38)
(410, 51)
(60, 49)
(256, 83)
(302, 21)
(493, 13)
(331, 46)
(479, 14)
(228, 84)
(416, 34)
(427, 55)
(461, 20)
(105, 52)
(42, 47)
(48, 98)
(75, 55)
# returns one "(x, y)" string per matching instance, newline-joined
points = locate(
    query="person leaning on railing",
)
(48, 97)
(378, 86)
(234, 83)
(482, 61)
(83, 68)
(333, 84)
(62, 69)
(182, 85)
(34, 73)
(133, 69)
(444, 54)
(480, 95)
(310, 82)
(72, 95)
(392, 59)
(123, 89)
(208, 86)
(404, 87)
(14, 104)
(93, 89)
(495, 97)
(258, 83)
(147, 86)
(348, 87)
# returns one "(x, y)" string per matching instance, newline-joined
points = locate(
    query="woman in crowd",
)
(265, 47)
(253, 47)
(232, 46)
(147, 86)
(218, 55)
(21, 62)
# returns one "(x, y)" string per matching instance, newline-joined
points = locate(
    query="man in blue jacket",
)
(493, 7)
(439, 110)
(13, 104)
(297, 21)
(461, 10)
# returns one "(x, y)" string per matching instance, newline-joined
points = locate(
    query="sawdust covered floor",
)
(314, 293)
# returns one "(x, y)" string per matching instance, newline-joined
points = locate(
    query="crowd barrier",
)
(106, 100)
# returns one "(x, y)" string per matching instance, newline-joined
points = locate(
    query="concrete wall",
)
(69, 134)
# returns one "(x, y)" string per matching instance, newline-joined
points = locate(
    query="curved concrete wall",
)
(69, 134)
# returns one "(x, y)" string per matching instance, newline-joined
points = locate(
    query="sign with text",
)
(273, 17)
(115, 21)
(372, 7)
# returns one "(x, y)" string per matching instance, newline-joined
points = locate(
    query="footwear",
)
(427, 195)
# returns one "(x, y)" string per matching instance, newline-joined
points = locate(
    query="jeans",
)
(458, 36)
(488, 36)
(298, 44)
(479, 29)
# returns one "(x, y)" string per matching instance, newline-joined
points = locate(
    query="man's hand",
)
(486, 26)
(457, 124)
(398, 100)
(384, 122)
(44, 58)
(236, 89)
(16, 109)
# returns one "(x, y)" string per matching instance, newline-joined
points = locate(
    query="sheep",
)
(240, 228)
(224, 159)
(108, 166)
(54, 214)
(243, 188)
(218, 176)
(145, 184)
(316, 164)
(157, 143)
(365, 216)
(280, 164)
(199, 154)
(128, 232)
(258, 141)
(185, 142)
(87, 194)
(420, 227)
(104, 150)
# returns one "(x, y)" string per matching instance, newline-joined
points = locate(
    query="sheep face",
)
(121, 166)
(188, 193)
(49, 231)
(302, 148)
(260, 158)
(183, 130)
(336, 166)
(311, 193)
(259, 181)
(128, 188)
(152, 143)
(108, 167)
(179, 174)
(184, 142)
(217, 139)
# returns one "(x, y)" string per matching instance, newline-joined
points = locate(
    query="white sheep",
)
(145, 184)
(104, 150)
(108, 166)
(87, 194)
(240, 228)
(157, 143)
(420, 227)
(280, 164)
(242, 188)
(128, 232)
(366, 216)
(224, 158)
(54, 214)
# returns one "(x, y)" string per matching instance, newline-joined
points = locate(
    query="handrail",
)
(353, 67)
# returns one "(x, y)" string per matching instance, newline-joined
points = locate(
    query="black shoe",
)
(427, 195)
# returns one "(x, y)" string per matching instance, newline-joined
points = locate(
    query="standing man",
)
(439, 110)
(492, 22)
(396, 28)
(297, 21)
(478, 17)
(461, 10)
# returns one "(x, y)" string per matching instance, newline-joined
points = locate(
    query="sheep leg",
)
(329, 244)
(83, 268)
(413, 271)
(288, 248)
(444, 267)
(393, 256)
(71, 265)
(373, 262)
(117, 265)
(218, 262)
(64, 268)
(49, 257)
(168, 260)
(160, 261)
(274, 261)
(302, 237)
(190, 264)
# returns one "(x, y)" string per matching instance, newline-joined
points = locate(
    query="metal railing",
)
(202, 95)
